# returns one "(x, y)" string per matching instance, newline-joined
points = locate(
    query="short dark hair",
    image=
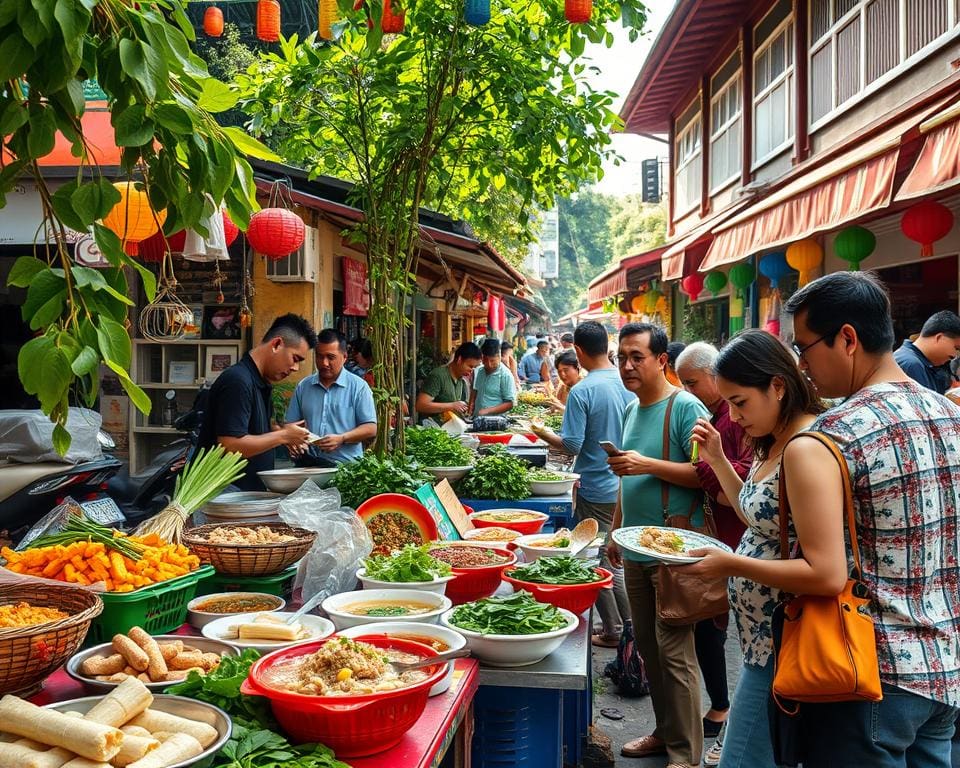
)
(674, 348)
(857, 299)
(364, 347)
(591, 337)
(467, 351)
(542, 343)
(332, 336)
(568, 337)
(945, 322)
(505, 345)
(292, 329)
(540, 335)
(658, 336)
(490, 348)
(567, 357)
(753, 358)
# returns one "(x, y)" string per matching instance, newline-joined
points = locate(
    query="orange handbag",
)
(825, 648)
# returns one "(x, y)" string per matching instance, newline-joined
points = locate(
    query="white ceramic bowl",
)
(514, 650)
(199, 619)
(218, 629)
(531, 552)
(554, 487)
(409, 630)
(438, 585)
(289, 480)
(448, 473)
(333, 606)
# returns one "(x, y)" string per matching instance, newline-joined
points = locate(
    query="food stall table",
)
(559, 508)
(539, 714)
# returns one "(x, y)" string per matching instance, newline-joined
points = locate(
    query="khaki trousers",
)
(670, 656)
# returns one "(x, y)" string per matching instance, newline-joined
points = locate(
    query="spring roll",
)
(122, 704)
(186, 660)
(133, 748)
(135, 730)
(82, 762)
(153, 721)
(156, 667)
(169, 650)
(103, 665)
(87, 739)
(179, 747)
(29, 754)
(135, 655)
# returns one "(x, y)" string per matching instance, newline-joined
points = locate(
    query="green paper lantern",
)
(742, 276)
(651, 298)
(853, 245)
(715, 282)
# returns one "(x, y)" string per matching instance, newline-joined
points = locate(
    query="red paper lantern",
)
(177, 241)
(502, 315)
(213, 21)
(391, 23)
(926, 223)
(692, 285)
(230, 230)
(577, 11)
(153, 248)
(275, 232)
(268, 20)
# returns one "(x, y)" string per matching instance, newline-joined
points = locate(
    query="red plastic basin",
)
(471, 584)
(486, 438)
(576, 598)
(353, 726)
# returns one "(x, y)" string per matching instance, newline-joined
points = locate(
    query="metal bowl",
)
(289, 480)
(106, 649)
(173, 705)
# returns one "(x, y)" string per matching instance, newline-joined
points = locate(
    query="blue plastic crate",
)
(517, 727)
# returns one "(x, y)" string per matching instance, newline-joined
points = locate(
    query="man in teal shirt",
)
(647, 478)
(493, 389)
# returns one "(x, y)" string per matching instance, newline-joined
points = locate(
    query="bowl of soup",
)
(370, 606)
(523, 521)
(203, 610)
(435, 636)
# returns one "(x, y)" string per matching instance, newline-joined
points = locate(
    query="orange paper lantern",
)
(268, 20)
(638, 302)
(327, 15)
(132, 219)
(392, 23)
(805, 256)
(577, 11)
(213, 21)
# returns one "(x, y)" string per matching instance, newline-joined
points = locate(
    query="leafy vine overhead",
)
(161, 101)
(444, 115)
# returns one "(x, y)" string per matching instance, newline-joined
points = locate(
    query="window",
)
(773, 92)
(855, 43)
(688, 152)
(725, 131)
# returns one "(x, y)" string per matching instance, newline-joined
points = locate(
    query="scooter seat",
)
(16, 475)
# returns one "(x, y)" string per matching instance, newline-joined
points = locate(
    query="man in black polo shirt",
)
(926, 359)
(239, 409)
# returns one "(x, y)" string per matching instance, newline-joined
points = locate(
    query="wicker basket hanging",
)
(166, 318)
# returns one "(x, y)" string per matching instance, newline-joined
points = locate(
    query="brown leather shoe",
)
(645, 746)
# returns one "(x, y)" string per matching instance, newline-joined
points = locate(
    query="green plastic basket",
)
(159, 609)
(279, 584)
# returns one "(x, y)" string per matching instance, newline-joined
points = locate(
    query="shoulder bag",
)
(825, 648)
(685, 598)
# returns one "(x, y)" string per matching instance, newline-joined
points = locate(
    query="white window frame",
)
(717, 131)
(788, 75)
(694, 126)
(830, 38)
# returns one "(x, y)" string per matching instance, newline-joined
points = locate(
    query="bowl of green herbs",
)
(545, 482)
(410, 568)
(438, 453)
(566, 582)
(511, 631)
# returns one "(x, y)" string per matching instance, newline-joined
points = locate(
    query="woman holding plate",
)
(772, 401)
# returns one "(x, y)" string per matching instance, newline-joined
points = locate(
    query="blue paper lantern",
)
(476, 12)
(774, 267)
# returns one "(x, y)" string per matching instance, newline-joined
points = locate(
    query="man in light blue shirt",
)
(531, 362)
(336, 404)
(493, 389)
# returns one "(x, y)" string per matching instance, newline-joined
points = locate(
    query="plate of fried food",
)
(668, 545)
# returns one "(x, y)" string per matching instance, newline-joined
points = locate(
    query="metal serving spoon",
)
(404, 666)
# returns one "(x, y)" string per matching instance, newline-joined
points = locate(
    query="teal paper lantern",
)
(476, 12)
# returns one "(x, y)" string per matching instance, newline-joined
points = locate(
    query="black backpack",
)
(627, 670)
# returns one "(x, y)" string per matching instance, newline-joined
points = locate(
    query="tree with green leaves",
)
(637, 226)
(444, 115)
(161, 99)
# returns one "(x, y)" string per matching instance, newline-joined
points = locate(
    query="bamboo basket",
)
(28, 655)
(249, 559)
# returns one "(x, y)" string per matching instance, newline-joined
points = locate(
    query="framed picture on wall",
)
(218, 359)
(221, 322)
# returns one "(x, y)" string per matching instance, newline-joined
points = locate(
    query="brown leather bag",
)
(682, 597)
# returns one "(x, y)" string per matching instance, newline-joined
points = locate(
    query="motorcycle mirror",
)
(106, 442)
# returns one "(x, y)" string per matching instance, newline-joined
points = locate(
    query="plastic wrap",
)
(342, 544)
(27, 436)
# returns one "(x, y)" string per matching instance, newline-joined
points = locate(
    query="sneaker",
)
(712, 757)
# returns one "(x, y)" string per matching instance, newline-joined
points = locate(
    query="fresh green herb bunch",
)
(544, 475)
(433, 447)
(412, 563)
(557, 570)
(81, 528)
(368, 476)
(516, 614)
(498, 475)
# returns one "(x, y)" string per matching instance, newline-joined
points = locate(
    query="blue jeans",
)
(746, 743)
(901, 731)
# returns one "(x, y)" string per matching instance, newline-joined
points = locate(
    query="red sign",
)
(356, 291)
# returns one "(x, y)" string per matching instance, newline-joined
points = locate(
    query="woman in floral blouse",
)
(771, 400)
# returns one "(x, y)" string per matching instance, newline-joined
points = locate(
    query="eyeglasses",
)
(635, 360)
(801, 351)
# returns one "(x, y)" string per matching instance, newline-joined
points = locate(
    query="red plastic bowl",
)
(471, 584)
(486, 438)
(353, 726)
(576, 598)
(525, 527)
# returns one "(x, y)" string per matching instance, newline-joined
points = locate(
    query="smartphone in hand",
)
(610, 448)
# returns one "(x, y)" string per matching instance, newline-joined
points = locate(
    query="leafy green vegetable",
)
(497, 475)
(516, 614)
(368, 476)
(257, 748)
(557, 570)
(412, 563)
(544, 475)
(433, 447)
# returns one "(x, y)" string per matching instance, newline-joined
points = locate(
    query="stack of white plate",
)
(245, 506)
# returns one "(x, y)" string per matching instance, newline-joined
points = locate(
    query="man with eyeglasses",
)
(658, 489)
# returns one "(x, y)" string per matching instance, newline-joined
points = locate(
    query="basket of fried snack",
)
(257, 549)
(41, 626)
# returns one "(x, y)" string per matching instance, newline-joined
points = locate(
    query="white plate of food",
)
(668, 545)
(266, 632)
